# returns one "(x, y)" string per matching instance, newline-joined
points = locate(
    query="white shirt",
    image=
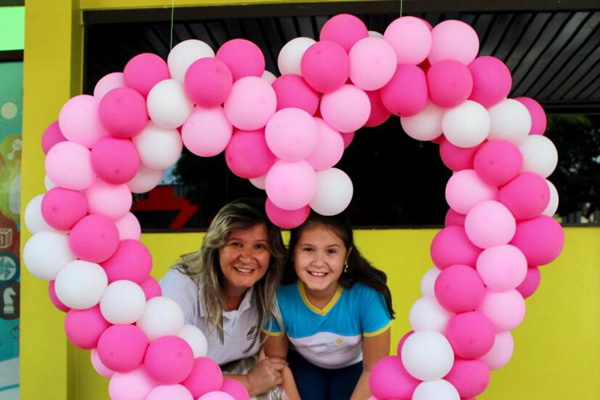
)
(240, 326)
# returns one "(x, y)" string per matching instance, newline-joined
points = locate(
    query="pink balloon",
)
(325, 66)
(501, 352)
(502, 267)
(465, 189)
(390, 380)
(63, 208)
(207, 131)
(541, 239)
(235, 389)
(122, 347)
(348, 138)
(471, 334)
(497, 162)
(208, 82)
(459, 288)
(329, 149)
(457, 158)
(243, 58)
(454, 219)
(134, 385)
(530, 283)
(292, 134)
(286, 219)
(469, 377)
(406, 93)
(402, 340)
(251, 103)
(449, 83)
(94, 238)
(538, 115)
(247, 154)
(51, 136)
(151, 288)
(491, 81)
(291, 185)
(69, 165)
(131, 261)
(526, 196)
(505, 309)
(79, 120)
(345, 30)
(411, 39)
(107, 83)
(346, 109)
(489, 224)
(379, 114)
(170, 392)
(114, 201)
(206, 376)
(122, 112)
(169, 359)
(217, 395)
(293, 91)
(54, 298)
(372, 63)
(451, 246)
(100, 368)
(116, 161)
(453, 40)
(129, 227)
(144, 71)
(84, 327)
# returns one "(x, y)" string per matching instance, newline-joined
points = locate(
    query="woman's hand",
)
(265, 375)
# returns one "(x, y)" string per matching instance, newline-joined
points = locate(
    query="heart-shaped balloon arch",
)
(285, 135)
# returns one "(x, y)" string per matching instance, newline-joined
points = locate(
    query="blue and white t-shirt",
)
(331, 337)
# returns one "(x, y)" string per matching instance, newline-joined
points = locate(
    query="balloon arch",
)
(286, 134)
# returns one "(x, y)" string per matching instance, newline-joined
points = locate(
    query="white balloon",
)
(269, 76)
(436, 390)
(539, 155)
(466, 125)
(426, 125)
(145, 180)
(195, 338)
(48, 184)
(501, 351)
(553, 203)
(80, 284)
(428, 281)
(428, 314)
(510, 121)
(259, 182)
(123, 302)
(427, 355)
(113, 201)
(334, 192)
(34, 221)
(291, 54)
(185, 54)
(159, 148)
(168, 105)
(375, 34)
(129, 227)
(46, 253)
(162, 316)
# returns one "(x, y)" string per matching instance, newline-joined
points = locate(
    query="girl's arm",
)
(277, 346)
(374, 348)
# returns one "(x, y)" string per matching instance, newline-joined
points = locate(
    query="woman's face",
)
(244, 259)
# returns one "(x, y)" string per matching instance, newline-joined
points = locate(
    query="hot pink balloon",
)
(205, 377)
(329, 149)
(454, 219)
(491, 81)
(453, 40)
(69, 165)
(293, 91)
(84, 327)
(236, 389)
(151, 288)
(346, 109)
(526, 196)
(379, 114)
(107, 83)
(286, 219)
(457, 158)
(489, 224)
(348, 138)
(292, 134)
(469, 377)
(538, 115)
(79, 120)
(497, 162)
(530, 283)
(465, 189)
(123, 113)
(406, 93)
(100, 368)
(144, 71)
(345, 30)
(243, 58)
(208, 82)
(94, 238)
(325, 66)
(541, 239)
(505, 309)
(251, 103)
(502, 267)
(291, 185)
(451, 246)
(169, 359)
(247, 154)
(449, 83)
(54, 298)
(63, 208)
(122, 347)
(372, 63)
(116, 161)
(402, 340)
(390, 380)
(459, 288)
(471, 334)
(51, 136)
(131, 261)
(411, 39)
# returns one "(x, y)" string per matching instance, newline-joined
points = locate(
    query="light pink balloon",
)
(538, 115)
(505, 309)
(144, 71)
(247, 154)
(286, 219)
(502, 267)
(489, 224)
(243, 57)
(217, 395)
(129, 227)
(207, 131)
(465, 189)
(344, 29)
(69, 165)
(100, 368)
(329, 149)
(123, 113)
(170, 392)
(491, 80)
(406, 93)
(291, 185)
(501, 352)
(134, 385)
(449, 83)
(372, 63)
(114, 201)
(497, 162)
(292, 134)
(411, 39)
(293, 91)
(453, 40)
(107, 83)
(325, 66)
(251, 103)
(346, 109)
(79, 120)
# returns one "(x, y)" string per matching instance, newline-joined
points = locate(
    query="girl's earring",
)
(345, 267)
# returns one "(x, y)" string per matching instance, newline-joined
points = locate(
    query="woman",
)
(227, 289)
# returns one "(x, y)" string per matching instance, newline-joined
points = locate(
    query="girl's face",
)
(319, 258)
(245, 258)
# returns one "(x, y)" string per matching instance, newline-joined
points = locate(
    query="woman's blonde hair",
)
(203, 266)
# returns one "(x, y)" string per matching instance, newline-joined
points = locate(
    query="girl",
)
(336, 315)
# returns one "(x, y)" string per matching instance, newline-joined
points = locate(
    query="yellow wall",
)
(557, 351)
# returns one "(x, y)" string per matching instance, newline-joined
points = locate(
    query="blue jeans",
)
(316, 383)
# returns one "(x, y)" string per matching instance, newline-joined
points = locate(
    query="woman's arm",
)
(264, 376)
(374, 349)
(277, 346)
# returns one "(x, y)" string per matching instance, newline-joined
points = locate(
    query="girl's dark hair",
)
(359, 268)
